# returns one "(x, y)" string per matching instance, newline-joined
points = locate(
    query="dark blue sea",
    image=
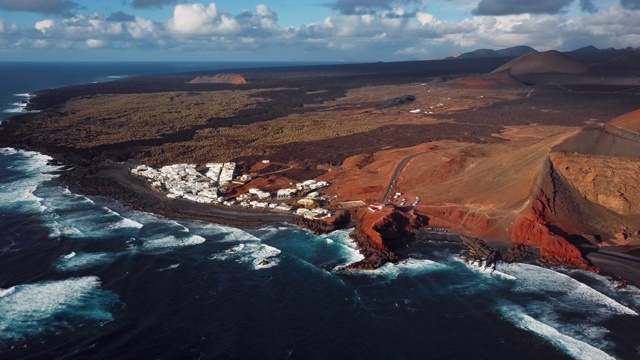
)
(87, 278)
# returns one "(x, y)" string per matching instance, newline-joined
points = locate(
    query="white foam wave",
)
(230, 234)
(167, 242)
(483, 269)
(348, 249)
(14, 110)
(407, 267)
(260, 256)
(573, 347)
(269, 232)
(83, 260)
(77, 216)
(57, 229)
(576, 294)
(126, 223)
(19, 193)
(628, 293)
(170, 267)
(34, 308)
(7, 292)
(8, 151)
(24, 95)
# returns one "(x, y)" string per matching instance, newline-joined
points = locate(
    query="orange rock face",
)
(533, 229)
(235, 79)
(630, 121)
(386, 228)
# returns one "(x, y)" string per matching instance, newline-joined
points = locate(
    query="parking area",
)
(404, 200)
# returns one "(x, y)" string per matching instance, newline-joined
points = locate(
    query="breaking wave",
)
(168, 242)
(407, 267)
(28, 171)
(571, 292)
(260, 256)
(552, 305)
(573, 347)
(482, 269)
(349, 252)
(31, 309)
(78, 261)
(228, 234)
(20, 107)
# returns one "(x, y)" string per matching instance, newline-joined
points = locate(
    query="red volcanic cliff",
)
(379, 233)
(583, 190)
(533, 228)
(235, 79)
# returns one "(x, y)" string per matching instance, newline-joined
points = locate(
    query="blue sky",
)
(312, 30)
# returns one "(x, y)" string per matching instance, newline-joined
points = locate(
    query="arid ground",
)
(497, 156)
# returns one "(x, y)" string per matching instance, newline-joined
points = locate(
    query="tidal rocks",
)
(340, 220)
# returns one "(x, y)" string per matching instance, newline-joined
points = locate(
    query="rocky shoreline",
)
(98, 170)
(113, 180)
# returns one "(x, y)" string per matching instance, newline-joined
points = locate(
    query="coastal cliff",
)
(584, 196)
(379, 233)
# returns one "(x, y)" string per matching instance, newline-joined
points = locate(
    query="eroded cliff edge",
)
(585, 195)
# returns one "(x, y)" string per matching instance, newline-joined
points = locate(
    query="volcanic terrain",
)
(516, 150)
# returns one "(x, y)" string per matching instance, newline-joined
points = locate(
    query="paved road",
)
(615, 255)
(396, 174)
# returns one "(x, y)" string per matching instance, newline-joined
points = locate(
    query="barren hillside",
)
(544, 62)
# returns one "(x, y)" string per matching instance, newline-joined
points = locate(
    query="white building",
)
(262, 195)
(283, 208)
(284, 194)
(227, 172)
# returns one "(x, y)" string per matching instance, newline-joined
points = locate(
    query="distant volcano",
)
(485, 53)
(629, 62)
(544, 62)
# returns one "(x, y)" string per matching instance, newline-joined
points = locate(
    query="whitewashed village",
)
(210, 187)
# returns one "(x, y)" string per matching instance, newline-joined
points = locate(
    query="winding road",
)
(397, 172)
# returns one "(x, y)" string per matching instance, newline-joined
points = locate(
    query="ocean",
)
(88, 278)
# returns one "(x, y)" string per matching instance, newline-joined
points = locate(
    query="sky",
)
(304, 30)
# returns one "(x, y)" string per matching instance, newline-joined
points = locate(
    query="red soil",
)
(235, 79)
(630, 121)
(544, 62)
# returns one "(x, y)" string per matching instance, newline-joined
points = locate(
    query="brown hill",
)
(499, 80)
(559, 189)
(630, 122)
(485, 53)
(544, 62)
(626, 63)
(235, 79)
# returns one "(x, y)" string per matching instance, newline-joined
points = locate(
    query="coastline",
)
(91, 174)
(114, 180)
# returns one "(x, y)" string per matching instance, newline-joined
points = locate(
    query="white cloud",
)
(391, 32)
(141, 28)
(44, 25)
(96, 43)
(198, 19)
(7, 28)
(40, 44)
